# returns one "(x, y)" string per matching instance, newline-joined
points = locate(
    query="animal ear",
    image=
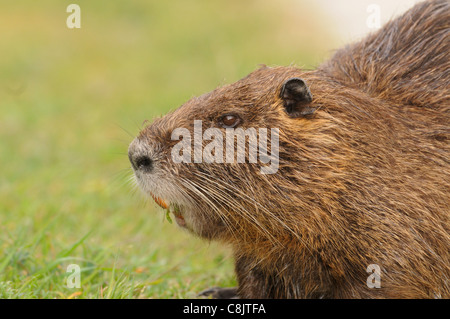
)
(296, 97)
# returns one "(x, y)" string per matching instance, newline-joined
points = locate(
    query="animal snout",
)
(139, 157)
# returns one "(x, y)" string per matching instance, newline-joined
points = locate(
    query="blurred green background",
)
(71, 101)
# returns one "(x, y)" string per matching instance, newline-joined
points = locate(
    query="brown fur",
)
(363, 180)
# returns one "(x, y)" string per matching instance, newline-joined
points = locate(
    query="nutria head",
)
(183, 159)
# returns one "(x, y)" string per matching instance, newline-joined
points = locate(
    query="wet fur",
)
(363, 180)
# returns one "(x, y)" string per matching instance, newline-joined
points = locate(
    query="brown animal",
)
(363, 183)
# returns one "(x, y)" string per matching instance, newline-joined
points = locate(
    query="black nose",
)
(139, 159)
(142, 163)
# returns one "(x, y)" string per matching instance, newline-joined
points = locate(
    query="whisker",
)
(215, 194)
(193, 188)
(245, 197)
(238, 208)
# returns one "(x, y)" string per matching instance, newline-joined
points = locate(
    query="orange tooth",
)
(160, 202)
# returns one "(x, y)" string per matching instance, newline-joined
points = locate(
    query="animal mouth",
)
(171, 208)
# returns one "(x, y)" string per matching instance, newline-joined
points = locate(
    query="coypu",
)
(363, 176)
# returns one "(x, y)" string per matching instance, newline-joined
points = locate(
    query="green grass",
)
(71, 102)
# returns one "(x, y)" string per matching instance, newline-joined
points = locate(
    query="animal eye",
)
(230, 121)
